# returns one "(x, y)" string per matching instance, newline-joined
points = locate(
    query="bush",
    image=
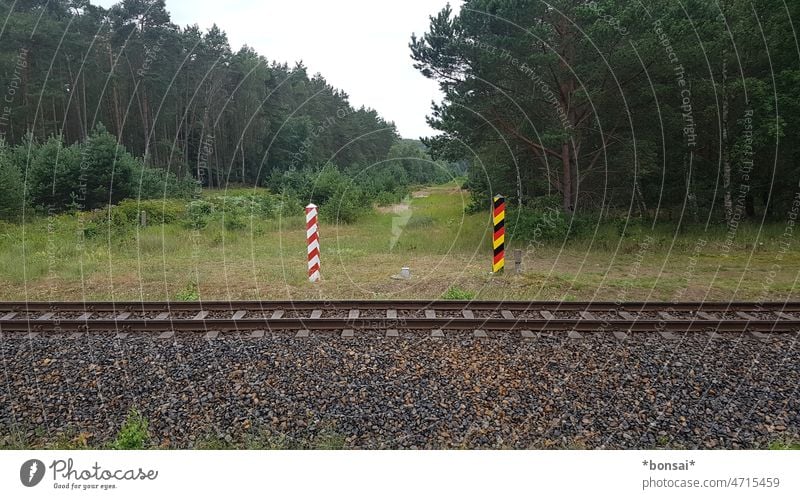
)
(11, 194)
(199, 213)
(155, 183)
(164, 211)
(538, 225)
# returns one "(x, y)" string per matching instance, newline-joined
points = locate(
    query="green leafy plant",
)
(456, 293)
(134, 433)
(189, 293)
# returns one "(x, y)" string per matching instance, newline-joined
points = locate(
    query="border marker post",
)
(313, 243)
(498, 241)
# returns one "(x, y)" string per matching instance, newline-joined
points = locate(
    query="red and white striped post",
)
(313, 243)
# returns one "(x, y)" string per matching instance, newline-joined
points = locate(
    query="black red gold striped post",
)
(498, 241)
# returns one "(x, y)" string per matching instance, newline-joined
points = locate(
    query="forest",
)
(603, 109)
(659, 110)
(103, 104)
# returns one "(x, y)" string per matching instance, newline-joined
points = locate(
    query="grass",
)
(786, 444)
(134, 434)
(445, 248)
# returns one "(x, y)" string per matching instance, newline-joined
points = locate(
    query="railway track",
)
(347, 317)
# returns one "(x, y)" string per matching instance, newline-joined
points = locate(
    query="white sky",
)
(359, 46)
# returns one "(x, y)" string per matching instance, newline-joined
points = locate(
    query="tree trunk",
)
(114, 96)
(566, 177)
(726, 159)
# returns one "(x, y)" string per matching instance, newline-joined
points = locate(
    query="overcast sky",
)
(359, 46)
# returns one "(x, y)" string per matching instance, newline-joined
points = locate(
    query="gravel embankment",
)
(409, 392)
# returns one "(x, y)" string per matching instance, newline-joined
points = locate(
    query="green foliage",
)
(55, 180)
(785, 444)
(456, 293)
(11, 192)
(199, 213)
(341, 199)
(91, 175)
(134, 433)
(538, 225)
(105, 169)
(581, 119)
(190, 293)
(152, 183)
(164, 211)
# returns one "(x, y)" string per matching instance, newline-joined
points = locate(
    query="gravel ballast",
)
(411, 391)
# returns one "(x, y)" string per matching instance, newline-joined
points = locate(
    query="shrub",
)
(164, 211)
(11, 194)
(537, 225)
(155, 183)
(199, 213)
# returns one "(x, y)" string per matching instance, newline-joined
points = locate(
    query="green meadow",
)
(447, 250)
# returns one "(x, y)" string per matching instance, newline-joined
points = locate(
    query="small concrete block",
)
(316, 314)
(627, 315)
(665, 315)
(75, 336)
(430, 314)
(239, 315)
(121, 336)
(437, 333)
(46, 317)
(468, 314)
(353, 314)
(211, 335)
(479, 333)
(391, 314)
(391, 333)
(548, 316)
(259, 333)
(507, 314)
(85, 316)
(348, 333)
(200, 315)
(574, 335)
(759, 335)
(714, 335)
(166, 335)
(528, 335)
(303, 333)
(620, 335)
(746, 316)
(8, 316)
(162, 316)
(706, 316)
(667, 335)
(784, 315)
(31, 336)
(277, 314)
(587, 315)
(120, 317)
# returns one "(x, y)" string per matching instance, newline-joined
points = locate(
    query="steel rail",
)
(596, 306)
(575, 324)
